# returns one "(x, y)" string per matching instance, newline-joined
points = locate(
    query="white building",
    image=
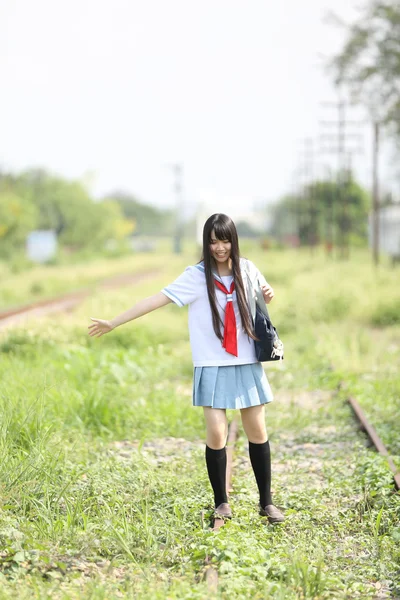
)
(389, 230)
(41, 245)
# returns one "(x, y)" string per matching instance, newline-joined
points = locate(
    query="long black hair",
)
(224, 229)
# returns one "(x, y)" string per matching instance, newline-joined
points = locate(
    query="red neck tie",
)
(230, 339)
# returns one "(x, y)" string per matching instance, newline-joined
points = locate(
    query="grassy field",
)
(104, 491)
(21, 285)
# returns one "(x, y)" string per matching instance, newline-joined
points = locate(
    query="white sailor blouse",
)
(191, 288)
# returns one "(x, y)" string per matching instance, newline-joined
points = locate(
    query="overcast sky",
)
(117, 90)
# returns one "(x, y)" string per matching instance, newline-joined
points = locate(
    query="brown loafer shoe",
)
(223, 511)
(274, 514)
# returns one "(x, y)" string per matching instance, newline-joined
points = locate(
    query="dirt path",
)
(66, 302)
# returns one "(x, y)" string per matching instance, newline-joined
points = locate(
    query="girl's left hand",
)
(268, 293)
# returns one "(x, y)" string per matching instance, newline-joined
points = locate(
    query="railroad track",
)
(67, 301)
(211, 573)
(374, 438)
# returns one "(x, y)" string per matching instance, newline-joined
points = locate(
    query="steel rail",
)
(69, 300)
(375, 439)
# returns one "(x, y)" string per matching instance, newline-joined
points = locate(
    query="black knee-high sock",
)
(260, 457)
(216, 467)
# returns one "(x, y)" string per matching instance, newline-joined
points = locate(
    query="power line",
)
(344, 153)
(309, 228)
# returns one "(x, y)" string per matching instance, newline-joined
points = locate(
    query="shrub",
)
(387, 314)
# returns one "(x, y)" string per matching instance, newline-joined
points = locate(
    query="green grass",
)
(104, 490)
(48, 281)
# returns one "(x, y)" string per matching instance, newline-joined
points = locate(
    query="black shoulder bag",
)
(268, 346)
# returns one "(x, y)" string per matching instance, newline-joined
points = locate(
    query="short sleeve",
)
(185, 289)
(262, 279)
(260, 276)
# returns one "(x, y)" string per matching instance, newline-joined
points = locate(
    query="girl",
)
(226, 371)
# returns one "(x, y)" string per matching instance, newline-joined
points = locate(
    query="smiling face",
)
(220, 250)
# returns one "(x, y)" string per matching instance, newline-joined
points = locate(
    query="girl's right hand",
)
(100, 327)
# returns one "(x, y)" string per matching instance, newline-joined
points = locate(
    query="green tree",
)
(369, 62)
(244, 229)
(57, 200)
(18, 216)
(324, 211)
(148, 219)
(286, 214)
(66, 207)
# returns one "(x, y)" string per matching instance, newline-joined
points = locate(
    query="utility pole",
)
(308, 169)
(375, 196)
(343, 175)
(329, 212)
(178, 174)
(295, 193)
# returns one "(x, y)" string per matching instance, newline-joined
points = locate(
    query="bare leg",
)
(253, 420)
(217, 427)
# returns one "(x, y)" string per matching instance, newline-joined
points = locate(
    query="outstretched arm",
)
(100, 326)
(141, 308)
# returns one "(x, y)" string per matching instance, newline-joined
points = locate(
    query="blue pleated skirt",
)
(234, 386)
